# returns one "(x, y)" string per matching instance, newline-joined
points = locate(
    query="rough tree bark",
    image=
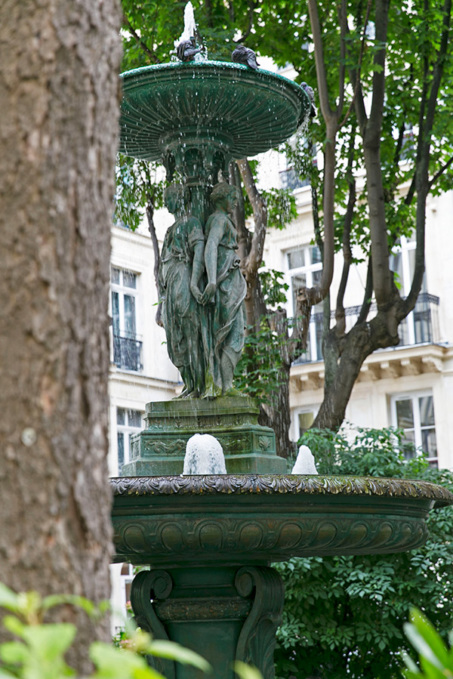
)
(59, 116)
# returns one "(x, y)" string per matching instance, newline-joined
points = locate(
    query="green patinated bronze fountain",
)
(210, 540)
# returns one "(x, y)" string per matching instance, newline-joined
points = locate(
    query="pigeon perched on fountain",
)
(244, 55)
(187, 50)
(305, 463)
(311, 95)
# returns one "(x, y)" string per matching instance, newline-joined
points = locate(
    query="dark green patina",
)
(210, 540)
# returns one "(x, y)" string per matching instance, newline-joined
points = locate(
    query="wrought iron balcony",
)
(127, 353)
(420, 327)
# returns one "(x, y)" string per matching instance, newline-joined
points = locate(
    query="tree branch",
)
(321, 73)
(422, 171)
(366, 304)
(439, 173)
(143, 45)
(155, 242)
(255, 255)
(357, 73)
(374, 125)
(251, 15)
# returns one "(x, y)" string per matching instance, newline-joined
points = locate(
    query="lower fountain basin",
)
(253, 519)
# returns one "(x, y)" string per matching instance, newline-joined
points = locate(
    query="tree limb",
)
(156, 250)
(422, 171)
(255, 255)
(357, 73)
(143, 45)
(440, 172)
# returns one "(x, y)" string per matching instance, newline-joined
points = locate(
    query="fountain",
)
(209, 539)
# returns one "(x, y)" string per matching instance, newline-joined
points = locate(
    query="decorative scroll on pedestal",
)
(257, 638)
(146, 586)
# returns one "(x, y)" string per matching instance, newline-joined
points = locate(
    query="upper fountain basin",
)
(244, 112)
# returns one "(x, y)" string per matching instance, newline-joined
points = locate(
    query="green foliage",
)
(37, 652)
(436, 659)
(281, 207)
(137, 186)
(260, 370)
(344, 616)
(273, 287)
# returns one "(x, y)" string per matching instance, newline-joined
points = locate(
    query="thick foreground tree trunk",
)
(59, 61)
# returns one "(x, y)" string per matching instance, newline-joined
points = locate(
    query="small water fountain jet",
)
(210, 539)
(204, 455)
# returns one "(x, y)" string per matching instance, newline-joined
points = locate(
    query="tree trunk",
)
(343, 359)
(59, 117)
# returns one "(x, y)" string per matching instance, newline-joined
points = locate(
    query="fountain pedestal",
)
(223, 612)
(249, 448)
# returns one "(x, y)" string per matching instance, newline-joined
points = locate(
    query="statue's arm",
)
(210, 258)
(197, 269)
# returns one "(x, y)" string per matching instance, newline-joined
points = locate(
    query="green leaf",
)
(173, 651)
(426, 640)
(13, 652)
(49, 641)
(246, 671)
(8, 598)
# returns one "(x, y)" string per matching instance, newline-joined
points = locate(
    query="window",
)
(305, 269)
(128, 423)
(414, 414)
(304, 420)
(126, 345)
(418, 327)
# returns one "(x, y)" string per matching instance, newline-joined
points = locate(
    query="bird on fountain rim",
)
(187, 50)
(244, 55)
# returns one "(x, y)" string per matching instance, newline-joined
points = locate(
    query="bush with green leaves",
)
(344, 616)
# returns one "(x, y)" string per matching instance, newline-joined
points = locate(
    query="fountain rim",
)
(210, 64)
(289, 484)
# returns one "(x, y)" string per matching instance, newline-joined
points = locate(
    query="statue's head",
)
(174, 197)
(224, 193)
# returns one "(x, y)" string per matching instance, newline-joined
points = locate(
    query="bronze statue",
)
(224, 294)
(181, 268)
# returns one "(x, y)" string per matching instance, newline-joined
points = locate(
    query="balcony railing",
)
(420, 327)
(127, 353)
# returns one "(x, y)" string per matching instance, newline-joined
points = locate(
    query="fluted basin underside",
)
(173, 520)
(244, 112)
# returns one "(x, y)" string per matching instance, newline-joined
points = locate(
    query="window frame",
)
(308, 269)
(127, 431)
(414, 397)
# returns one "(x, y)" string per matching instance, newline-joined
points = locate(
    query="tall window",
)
(128, 423)
(126, 346)
(304, 267)
(304, 420)
(417, 328)
(414, 414)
